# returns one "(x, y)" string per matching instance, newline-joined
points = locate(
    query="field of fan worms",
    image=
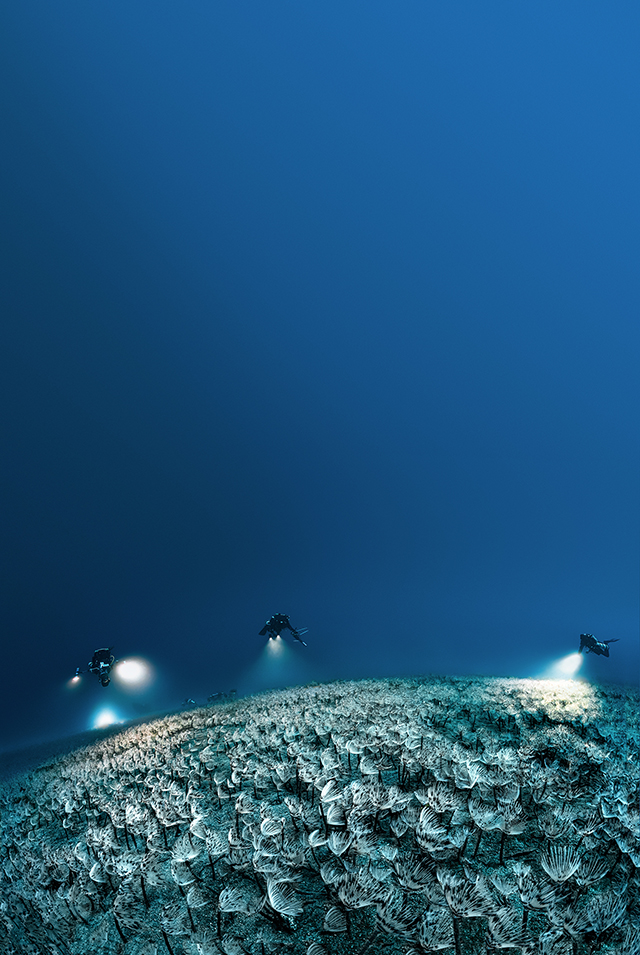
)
(462, 815)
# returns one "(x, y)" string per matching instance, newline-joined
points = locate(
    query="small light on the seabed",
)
(133, 672)
(105, 717)
(570, 664)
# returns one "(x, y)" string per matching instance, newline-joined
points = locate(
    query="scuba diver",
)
(101, 663)
(279, 622)
(589, 644)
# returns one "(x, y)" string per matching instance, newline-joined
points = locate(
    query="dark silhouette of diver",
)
(279, 622)
(101, 663)
(589, 644)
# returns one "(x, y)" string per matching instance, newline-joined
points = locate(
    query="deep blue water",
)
(330, 311)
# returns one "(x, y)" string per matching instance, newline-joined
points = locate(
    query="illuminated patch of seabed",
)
(278, 665)
(560, 693)
(105, 716)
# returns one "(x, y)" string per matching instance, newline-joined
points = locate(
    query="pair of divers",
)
(102, 662)
(103, 659)
(279, 622)
(589, 644)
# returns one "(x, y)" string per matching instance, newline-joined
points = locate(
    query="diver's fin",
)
(615, 640)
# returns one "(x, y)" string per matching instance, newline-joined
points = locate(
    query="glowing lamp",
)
(133, 673)
(275, 646)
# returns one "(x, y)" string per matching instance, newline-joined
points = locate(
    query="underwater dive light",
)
(133, 672)
(275, 646)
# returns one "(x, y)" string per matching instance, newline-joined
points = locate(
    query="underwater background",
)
(328, 310)
(325, 310)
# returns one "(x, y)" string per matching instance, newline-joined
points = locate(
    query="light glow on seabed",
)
(133, 672)
(105, 717)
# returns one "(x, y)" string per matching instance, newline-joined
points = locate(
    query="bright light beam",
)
(133, 673)
(566, 667)
(275, 646)
(571, 663)
(279, 664)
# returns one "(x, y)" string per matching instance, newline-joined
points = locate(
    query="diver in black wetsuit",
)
(101, 663)
(279, 622)
(589, 644)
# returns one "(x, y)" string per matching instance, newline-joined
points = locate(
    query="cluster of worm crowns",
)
(386, 816)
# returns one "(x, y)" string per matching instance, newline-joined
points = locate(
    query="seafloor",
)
(388, 816)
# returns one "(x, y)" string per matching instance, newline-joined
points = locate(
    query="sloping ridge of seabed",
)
(459, 815)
